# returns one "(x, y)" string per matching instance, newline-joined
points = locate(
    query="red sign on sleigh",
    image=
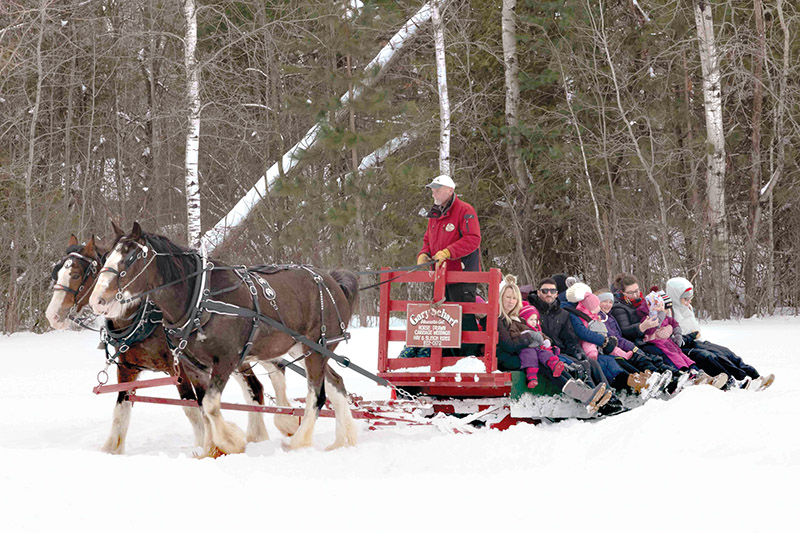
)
(433, 327)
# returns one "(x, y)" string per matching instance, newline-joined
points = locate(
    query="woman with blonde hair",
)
(519, 346)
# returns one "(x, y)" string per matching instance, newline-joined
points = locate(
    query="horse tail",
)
(348, 281)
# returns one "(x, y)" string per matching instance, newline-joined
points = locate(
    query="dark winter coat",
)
(627, 319)
(456, 229)
(509, 343)
(556, 324)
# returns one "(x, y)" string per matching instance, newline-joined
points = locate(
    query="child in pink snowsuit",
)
(541, 349)
(590, 306)
(662, 336)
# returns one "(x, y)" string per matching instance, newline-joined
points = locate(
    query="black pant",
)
(463, 292)
(729, 361)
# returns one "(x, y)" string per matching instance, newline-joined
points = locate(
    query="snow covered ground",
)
(704, 460)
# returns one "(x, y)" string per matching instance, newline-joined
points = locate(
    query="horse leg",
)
(315, 399)
(286, 424)
(346, 432)
(194, 415)
(121, 419)
(253, 393)
(222, 437)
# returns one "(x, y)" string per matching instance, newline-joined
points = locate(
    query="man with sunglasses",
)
(556, 324)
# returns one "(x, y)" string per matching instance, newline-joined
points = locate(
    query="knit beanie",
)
(591, 303)
(578, 292)
(603, 296)
(561, 282)
(526, 311)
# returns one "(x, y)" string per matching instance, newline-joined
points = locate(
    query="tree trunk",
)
(509, 32)
(444, 98)
(752, 292)
(32, 130)
(375, 71)
(715, 160)
(193, 133)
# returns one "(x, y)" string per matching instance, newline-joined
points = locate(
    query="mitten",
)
(536, 339)
(423, 258)
(442, 255)
(677, 336)
(546, 343)
(609, 345)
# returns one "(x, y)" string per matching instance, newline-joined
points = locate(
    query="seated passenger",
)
(667, 336)
(681, 291)
(584, 307)
(514, 351)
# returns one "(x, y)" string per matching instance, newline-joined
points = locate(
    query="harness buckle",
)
(182, 344)
(124, 348)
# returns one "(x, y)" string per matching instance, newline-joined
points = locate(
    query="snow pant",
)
(534, 357)
(652, 349)
(546, 372)
(730, 362)
(590, 367)
(614, 372)
(643, 360)
(463, 292)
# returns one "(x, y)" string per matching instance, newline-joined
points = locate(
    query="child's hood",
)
(676, 287)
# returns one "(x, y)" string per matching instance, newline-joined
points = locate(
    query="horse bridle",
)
(91, 268)
(140, 252)
(92, 265)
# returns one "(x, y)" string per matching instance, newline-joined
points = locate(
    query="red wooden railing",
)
(435, 380)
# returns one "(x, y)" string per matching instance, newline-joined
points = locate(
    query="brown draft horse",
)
(74, 277)
(146, 263)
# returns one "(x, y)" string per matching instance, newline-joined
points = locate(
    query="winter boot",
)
(556, 366)
(578, 390)
(762, 382)
(637, 382)
(531, 376)
(720, 380)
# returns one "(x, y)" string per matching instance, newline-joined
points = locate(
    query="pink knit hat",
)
(591, 303)
(528, 310)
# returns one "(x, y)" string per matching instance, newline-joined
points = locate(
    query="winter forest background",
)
(657, 137)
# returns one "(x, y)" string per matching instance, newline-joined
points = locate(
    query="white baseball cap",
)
(442, 181)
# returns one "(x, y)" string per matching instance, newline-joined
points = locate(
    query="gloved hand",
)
(535, 338)
(442, 255)
(546, 343)
(576, 371)
(609, 345)
(677, 338)
(423, 258)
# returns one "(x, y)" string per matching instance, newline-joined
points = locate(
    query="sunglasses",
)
(548, 291)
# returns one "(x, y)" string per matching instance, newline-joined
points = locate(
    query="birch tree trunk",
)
(715, 159)
(375, 71)
(193, 133)
(444, 98)
(509, 32)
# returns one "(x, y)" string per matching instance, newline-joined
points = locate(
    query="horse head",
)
(74, 276)
(138, 263)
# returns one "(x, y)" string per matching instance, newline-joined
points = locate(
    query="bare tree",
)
(193, 134)
(511, 63)
(715, 159)
(444, 98)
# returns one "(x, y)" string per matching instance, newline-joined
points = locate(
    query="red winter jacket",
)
(456, 229)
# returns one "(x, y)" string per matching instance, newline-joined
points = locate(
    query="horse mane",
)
(177, 262)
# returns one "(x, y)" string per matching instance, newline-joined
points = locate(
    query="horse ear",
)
(73, 240)
(89, 250)
(136, 231)
(117, 230)
(99, 248)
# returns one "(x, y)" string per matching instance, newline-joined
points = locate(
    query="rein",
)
(407, 270)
